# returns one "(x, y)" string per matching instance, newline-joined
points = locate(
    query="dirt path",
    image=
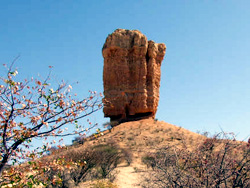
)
(130, 176)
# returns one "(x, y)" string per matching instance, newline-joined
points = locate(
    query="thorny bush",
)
(96, 162)
(220, 161)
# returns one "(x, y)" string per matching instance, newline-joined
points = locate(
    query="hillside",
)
(138, 141)
(139, 138)
(149, 154)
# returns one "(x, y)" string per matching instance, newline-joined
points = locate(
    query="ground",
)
(141, 138)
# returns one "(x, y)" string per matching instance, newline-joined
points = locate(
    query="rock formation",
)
(131, 75)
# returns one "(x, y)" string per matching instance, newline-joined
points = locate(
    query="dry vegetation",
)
(216, 162)
(149, 153)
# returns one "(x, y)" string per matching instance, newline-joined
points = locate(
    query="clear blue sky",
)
(205, 83)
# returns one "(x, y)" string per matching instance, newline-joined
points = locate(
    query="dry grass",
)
(126, 146)
(137, 137)
(148, 135)
(219, 161)
(103, 184)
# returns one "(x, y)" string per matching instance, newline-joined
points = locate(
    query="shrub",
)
(32, 109)
(149, 161)
(215, 163)
(95, 162)
(78, 140)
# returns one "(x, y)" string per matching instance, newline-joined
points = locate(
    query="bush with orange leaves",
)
(31, 109)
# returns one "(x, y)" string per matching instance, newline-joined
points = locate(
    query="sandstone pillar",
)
(131, 75)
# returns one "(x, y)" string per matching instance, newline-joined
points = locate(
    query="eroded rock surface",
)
(131, 75)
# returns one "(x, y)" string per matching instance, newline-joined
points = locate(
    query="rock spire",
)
(131, 75)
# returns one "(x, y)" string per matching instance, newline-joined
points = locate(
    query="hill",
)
(135, 139)
(149, 153)
(141, 138)
(136, 153)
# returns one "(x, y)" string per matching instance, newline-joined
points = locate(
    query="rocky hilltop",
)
(131, 75)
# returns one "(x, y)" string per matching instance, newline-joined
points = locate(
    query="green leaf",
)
(30, 184)
(13, 73)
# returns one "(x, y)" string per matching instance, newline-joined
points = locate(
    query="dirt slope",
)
(141, 138)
